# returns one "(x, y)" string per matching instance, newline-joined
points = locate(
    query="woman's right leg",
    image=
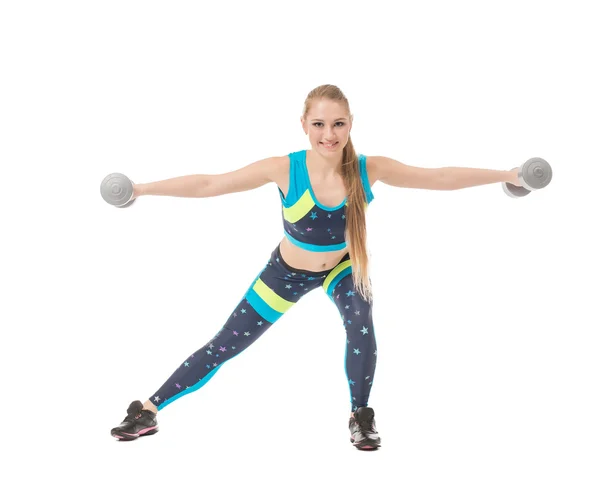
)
(271, 294)
(244, 326)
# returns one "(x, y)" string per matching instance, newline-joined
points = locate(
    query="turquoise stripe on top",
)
(314, 247)
(298, 179)
(302, 163)
(362, 163)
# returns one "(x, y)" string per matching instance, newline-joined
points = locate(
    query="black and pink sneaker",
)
(137, 423)
(363, 434)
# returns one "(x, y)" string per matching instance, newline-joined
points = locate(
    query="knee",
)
(360, 325)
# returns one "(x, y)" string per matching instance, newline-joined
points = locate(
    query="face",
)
(328, 126)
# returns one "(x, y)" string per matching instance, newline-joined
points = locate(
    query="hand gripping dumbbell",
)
(117, 190)
(535, 173)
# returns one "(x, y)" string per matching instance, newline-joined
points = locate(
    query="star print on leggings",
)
(252, 317)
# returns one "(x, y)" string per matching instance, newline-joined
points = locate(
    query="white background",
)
(486, 324)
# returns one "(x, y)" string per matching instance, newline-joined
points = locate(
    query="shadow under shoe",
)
(137, 423)
(363, 434)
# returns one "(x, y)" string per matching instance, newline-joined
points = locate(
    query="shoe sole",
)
(368, 445)
(134, 436)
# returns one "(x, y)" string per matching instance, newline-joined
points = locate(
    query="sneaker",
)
(137, 423)
(363, 434)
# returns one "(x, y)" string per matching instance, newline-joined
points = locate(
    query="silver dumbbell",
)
(534, 174)
(117, 190)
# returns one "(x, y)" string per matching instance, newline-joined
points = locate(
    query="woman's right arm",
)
(252, 176)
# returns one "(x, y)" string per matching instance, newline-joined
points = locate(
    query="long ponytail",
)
(356, 226)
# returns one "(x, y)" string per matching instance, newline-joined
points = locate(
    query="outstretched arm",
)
(249, 177)
(394, 173)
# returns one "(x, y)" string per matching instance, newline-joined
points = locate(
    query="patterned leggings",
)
(271, 294)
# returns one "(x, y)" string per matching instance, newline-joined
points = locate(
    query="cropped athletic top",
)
(306, 222)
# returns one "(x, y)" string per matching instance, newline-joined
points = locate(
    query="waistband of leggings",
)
(300, 271)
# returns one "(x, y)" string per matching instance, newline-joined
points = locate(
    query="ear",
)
(303, 124)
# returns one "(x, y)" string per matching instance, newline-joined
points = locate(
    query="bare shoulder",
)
(279, 167)
(375, 167)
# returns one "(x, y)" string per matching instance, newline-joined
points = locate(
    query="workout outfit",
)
(314, 227)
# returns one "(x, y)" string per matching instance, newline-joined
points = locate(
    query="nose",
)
(329, 134)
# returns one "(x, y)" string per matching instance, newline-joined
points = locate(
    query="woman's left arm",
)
(394, 173)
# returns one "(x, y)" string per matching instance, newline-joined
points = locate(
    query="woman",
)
(324, 193)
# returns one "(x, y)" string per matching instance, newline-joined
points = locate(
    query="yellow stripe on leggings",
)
(334, 273)
(271, 298)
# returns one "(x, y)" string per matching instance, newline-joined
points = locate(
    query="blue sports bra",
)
(306, 222)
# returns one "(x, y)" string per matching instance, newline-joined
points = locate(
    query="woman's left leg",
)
(361, 352)
(361, 347)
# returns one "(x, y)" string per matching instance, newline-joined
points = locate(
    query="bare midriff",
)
(299, 258)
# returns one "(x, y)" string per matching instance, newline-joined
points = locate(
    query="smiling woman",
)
(324, 192)
(327, 120)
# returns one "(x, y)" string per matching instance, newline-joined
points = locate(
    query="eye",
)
(341, 123)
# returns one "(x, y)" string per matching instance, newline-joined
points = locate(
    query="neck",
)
(325, 166)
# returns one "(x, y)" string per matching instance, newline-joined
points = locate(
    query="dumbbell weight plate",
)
(117, 189)
(514, 191)
(536, 173)
(127, 204)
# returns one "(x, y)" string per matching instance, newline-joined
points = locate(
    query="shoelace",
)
(367, 425)
(133, 415)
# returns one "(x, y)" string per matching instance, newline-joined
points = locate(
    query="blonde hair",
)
(356, 226)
